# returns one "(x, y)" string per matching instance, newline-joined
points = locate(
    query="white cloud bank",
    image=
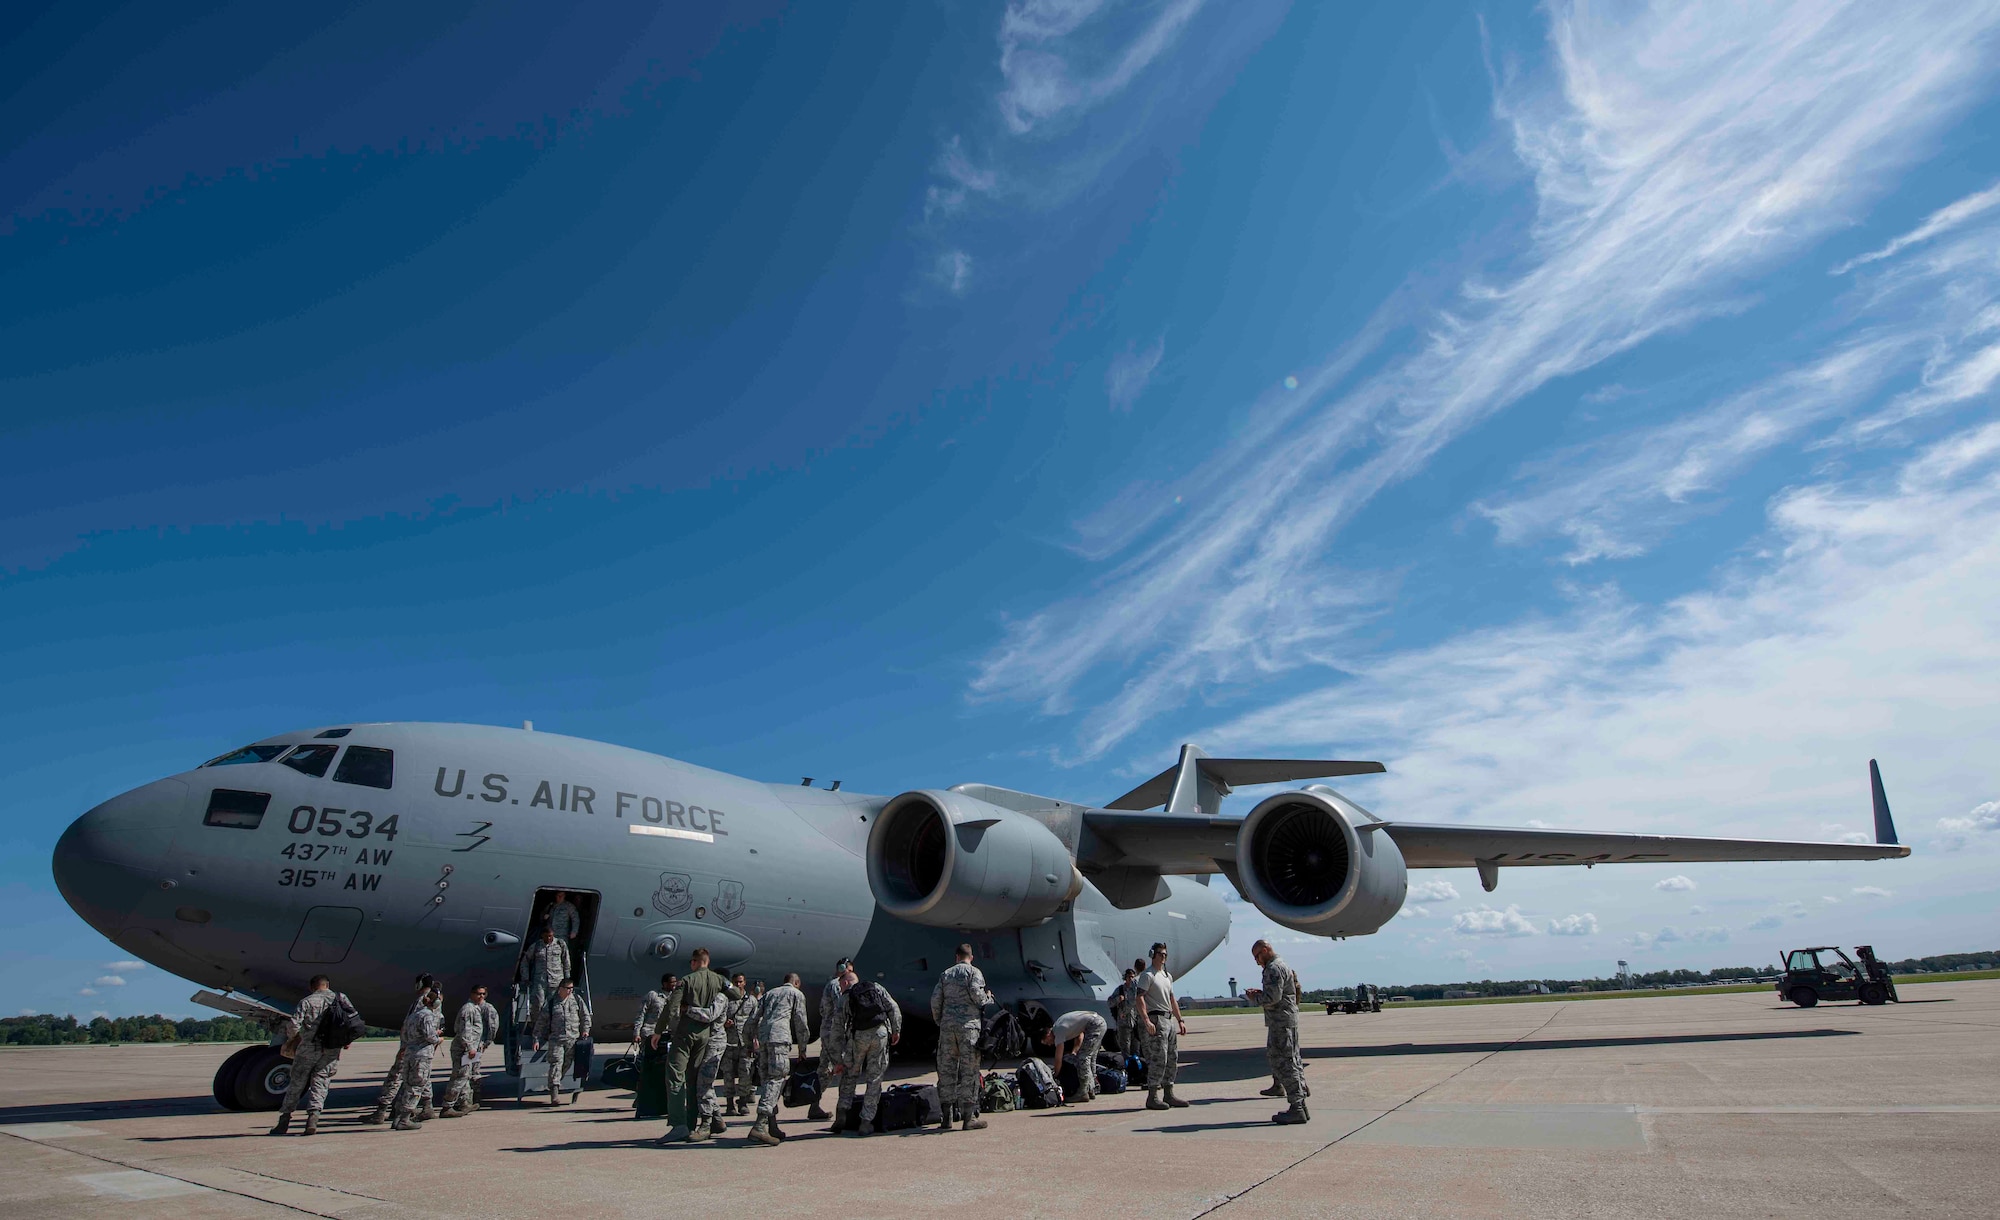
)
(1434, 890)
(1574, 925)
(1485, 921)
(1674, 885)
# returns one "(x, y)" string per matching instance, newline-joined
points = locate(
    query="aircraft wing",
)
(1183, 843)
(1426, 845)
(1127, 846)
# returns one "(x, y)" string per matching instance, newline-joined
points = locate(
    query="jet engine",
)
(1315, 863)
(947, 860)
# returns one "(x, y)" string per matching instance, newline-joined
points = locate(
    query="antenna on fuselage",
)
(807, 782)
(834, 786)
(527, 726)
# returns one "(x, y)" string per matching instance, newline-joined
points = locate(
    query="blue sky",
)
(1589, 413)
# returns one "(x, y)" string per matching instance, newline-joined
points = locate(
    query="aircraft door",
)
(575, 912)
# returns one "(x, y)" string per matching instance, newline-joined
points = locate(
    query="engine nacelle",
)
(1308, 861)
(947, 860)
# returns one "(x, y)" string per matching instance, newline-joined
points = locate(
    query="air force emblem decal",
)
(675, 894)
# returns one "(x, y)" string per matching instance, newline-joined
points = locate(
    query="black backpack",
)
(340, 1026)
(866, 1005)
(1004, 1037)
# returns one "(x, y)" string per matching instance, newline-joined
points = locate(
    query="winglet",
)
(1885, 829)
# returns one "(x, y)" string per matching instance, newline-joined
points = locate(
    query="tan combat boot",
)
(760, 1132)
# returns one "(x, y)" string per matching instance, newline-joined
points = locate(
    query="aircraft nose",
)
(108, 857)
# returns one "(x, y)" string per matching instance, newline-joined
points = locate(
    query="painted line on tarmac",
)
(1226, 1200)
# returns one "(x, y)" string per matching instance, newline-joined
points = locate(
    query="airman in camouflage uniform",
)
(392, 1082)
(1279, 997)
(564, 919)
(468, 1042)
(548, 965)
(781, 1026)
(829, 1050)
(649, 1100)
(313, 1065)
(1160, 1021)
(739, 1030)
(865, 1051)
(1078, 1034)
(1125, 1006)
(957, 1003)
(421, 1035)
(566, 1019)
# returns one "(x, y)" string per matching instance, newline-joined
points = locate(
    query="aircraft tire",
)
(262, 1079)
(224, 1085)
(1804, 997)
(1874, 993)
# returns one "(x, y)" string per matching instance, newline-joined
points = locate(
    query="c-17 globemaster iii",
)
(375, 851)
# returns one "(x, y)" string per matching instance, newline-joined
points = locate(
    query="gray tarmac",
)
(1682, 1106)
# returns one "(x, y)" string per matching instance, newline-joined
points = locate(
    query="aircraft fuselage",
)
(257, 875)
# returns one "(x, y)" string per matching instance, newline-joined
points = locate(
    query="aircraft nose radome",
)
(104, 861)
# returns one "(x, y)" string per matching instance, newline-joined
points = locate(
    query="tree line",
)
(47, 1029)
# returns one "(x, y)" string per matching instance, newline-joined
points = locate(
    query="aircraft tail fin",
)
(1885, 828)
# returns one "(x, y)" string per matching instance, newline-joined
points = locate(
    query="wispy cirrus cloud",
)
(1130, 372)
(1079, 84)
(1667, 714)
(1614, 498)
(1062, 58)
(1945, 219)
(1675, 154)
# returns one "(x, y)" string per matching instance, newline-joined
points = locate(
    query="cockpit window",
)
(238, 810)
(248, 754)
(311, 760)
(367, 765)
(334, 733)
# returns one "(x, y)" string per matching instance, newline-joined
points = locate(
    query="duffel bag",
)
(621, 1072)
(908, 1105)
